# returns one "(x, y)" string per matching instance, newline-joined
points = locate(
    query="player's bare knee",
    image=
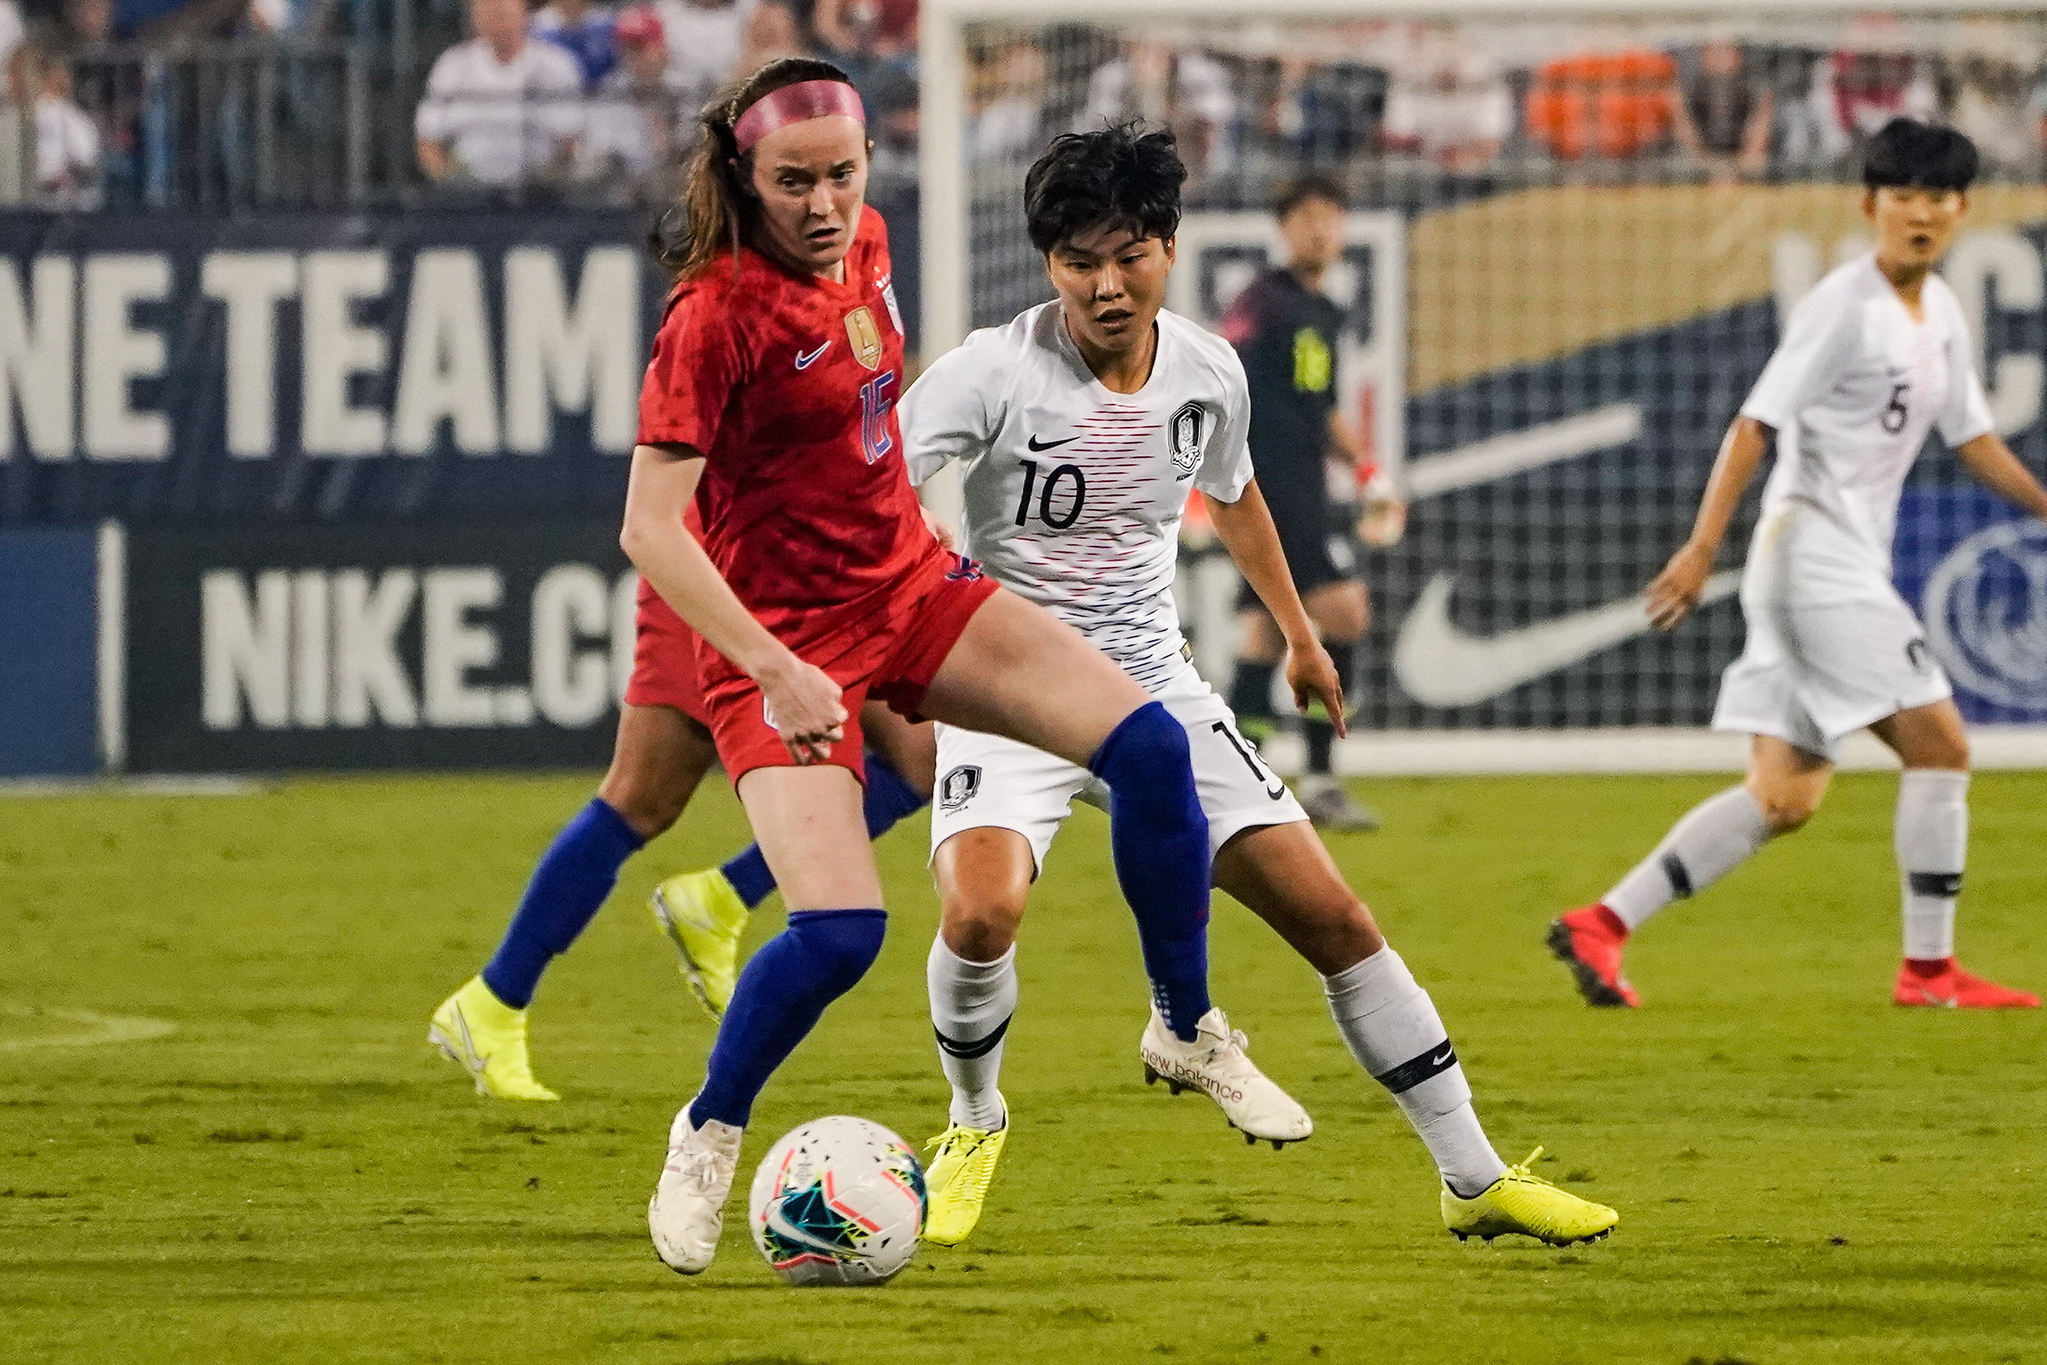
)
(1786, 812)
(979, 926)
(649, 807)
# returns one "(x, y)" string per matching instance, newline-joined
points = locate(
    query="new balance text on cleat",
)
(1216, 1064)
(486, 1038)
(1523, 1203)
(687, 1211)
(1954, 989)
(703, 917)
(956, 1182)
(1589, 942)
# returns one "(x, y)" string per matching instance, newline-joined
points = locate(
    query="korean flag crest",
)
(865, 336)
(1184, 434)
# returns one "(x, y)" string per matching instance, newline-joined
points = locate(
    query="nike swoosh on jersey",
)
(1439, 665)
(805, 359)
(1035, 444)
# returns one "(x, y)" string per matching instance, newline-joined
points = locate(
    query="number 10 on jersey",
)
(1056, 519)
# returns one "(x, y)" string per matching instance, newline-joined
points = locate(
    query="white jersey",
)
(1853, 389)
(1073, 493)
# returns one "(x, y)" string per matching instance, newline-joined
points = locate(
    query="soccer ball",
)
(838, 1201)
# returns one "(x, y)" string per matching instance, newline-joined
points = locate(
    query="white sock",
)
(971, 1003)
(1712, 839)
(1391, 1027)
(1932, 840)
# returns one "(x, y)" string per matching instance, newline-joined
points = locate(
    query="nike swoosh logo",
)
(1443, 1058)
(782, 1227)
(1439, 665)
(1035, 444)
(805, 359)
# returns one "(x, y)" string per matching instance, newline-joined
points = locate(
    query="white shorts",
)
(1811, 675)
(988, 782)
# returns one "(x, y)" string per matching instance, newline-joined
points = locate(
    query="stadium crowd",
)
(150, 101)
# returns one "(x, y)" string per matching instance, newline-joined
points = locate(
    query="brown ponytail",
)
(717, 206)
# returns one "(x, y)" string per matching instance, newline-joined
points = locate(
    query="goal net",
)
(1572, 239)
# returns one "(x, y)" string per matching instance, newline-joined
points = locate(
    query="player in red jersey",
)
(769, 405)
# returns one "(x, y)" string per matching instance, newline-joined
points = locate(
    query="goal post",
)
(1574, 230)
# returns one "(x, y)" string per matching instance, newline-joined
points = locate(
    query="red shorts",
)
(664, 660)
(895, 663)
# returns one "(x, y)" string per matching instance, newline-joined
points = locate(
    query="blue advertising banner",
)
(49, 643)
(167, 369)
(1975, 568)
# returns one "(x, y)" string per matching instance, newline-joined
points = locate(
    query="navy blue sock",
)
(574, 876)
(887, 799)
(1160, 841)
(778, 1000)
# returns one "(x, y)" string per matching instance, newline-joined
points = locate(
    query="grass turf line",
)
(1805, 1173)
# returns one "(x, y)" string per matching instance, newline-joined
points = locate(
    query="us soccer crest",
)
(865, 335)
(1184, 434)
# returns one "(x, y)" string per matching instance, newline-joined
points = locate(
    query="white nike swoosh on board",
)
(1439, 665)
(804, 360)
(1517, 452)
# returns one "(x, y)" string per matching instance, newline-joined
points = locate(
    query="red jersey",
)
(787, 383)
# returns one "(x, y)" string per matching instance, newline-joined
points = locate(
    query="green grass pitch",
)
(1805, 1173)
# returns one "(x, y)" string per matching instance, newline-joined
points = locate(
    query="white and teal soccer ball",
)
(838, 1201)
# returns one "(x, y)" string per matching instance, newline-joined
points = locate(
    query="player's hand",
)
(936, 525)
(1383, 522)
(1311, 673)
(806, 708)
(1674, 592)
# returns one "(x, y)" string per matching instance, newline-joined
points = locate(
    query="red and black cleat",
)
(1588, 941)
(1944, 985)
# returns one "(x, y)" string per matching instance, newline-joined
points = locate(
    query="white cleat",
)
(687, 1211)
(1216, 1064)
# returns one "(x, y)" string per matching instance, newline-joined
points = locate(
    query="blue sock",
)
(1160, 841)
(778, 1000)
(574, 876)
(887, 799)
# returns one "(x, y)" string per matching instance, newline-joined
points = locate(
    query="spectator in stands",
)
(1446, 102)
(1856, 93)
(109, 91)
(1604, 106)
(66, 171)
(584, 31)
(1988, 104)
(499, 110)
(771, 32)
(1185, 89)
(864, 34)
(10, 30)
(637, 125)
(1008, 96)
(1724, 113)
(705, 38)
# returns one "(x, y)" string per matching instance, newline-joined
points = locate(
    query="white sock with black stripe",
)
(1392, 1028)
(971, 1003)
(1712, 839)
(1932, 841)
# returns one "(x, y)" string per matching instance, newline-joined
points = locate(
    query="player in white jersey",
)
(1081, 427)
(1873, 359)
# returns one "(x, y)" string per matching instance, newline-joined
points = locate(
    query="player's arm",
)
(1382, 520)
(803, 700)
(1246, 531)
(1994, 466)
(1674, 592)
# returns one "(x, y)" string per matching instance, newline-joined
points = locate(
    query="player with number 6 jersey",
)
(1082, 428)
(1872, 360)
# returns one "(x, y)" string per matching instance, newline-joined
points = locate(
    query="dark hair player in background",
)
(1286, 330)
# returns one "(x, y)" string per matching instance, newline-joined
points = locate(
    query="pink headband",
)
(794, 104)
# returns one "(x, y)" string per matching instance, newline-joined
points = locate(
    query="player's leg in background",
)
(658, 758)
(984, 879)
(1783, 788)
(1259, 652)
(1285, 876)
(1932, 841)
(1340, 611)
(809, 824)
(703, 913)
(1017, 672)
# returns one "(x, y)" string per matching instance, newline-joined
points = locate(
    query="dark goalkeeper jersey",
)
(1286, 335)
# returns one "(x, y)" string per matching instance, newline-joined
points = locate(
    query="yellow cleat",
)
(703, 917)
(1520, 1202)
(956, 1182)
(487, 1038)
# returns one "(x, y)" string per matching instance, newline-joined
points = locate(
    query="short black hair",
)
(1123, 176)
(1297, 192)
(1905, 152)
